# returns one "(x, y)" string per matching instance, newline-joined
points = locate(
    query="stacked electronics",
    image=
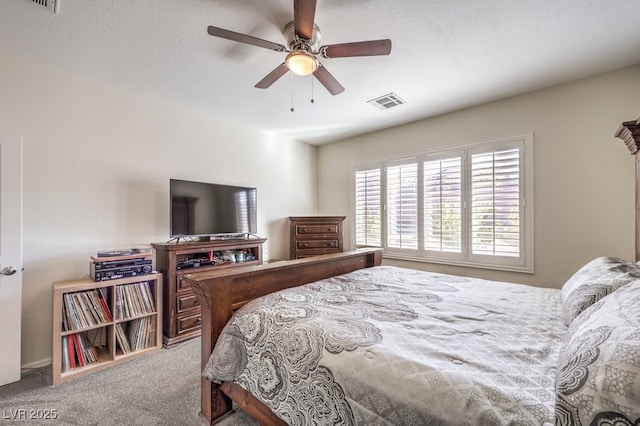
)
(121, 263)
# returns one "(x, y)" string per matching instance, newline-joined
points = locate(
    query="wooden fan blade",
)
(243, 38)
(273, 76)
(328, 80)
(359, 48)
(304, 12)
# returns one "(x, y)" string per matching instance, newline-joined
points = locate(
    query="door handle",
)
(9, 270)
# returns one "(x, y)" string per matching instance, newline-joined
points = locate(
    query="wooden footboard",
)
(221, 292)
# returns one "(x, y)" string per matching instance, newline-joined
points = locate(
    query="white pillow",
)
(598, 377)
(592, 282)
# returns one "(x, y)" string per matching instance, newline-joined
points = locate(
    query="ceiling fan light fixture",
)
(301, 62)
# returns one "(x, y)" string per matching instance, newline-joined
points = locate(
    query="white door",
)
(10, 256)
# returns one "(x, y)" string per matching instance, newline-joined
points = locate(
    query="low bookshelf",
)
(100, 324)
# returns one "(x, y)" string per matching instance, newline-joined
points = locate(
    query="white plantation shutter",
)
(443, 205)
(495, 203)
(471, 205)
(368, 207)
(402, 205)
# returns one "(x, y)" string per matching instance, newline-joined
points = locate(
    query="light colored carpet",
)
(162, 388)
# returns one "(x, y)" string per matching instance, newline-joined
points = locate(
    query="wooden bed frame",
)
(629, 132)
(222, 292)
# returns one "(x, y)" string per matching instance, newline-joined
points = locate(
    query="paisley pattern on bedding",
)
(388, 345)
(582, 352)
(599, 364)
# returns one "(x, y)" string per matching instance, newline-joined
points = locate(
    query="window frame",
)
(523, 263)
(440, 256)
(385, 205)
(354, 235)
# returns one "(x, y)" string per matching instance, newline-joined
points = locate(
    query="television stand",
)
(181, 311)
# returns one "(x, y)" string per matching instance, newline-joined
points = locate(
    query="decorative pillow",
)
(592, 282)
(598, 378)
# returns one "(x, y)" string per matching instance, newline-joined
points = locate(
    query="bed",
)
(345, 340)
(342, 339)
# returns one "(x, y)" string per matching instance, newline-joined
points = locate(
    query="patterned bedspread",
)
(388, 345)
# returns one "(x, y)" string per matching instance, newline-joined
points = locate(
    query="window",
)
(443, 204)
(368, 214)
(471, 205)
(495, 203)
(402, 205)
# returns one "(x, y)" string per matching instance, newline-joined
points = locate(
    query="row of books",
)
(77, 352)
(136, 334)
(134, 300)
(85, 309)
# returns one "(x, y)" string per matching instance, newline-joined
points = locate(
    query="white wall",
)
(584, 177)
(97, 163)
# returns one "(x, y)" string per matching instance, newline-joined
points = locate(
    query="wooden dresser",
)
(181, 311)
(314, 235)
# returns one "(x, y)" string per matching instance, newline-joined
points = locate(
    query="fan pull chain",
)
(312, 100)
(292, 108)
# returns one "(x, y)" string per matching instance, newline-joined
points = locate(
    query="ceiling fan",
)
(303, 37)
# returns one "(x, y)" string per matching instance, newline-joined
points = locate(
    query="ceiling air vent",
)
(52, 5)
(387, 101)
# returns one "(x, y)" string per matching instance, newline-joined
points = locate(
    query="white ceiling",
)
(446, 54)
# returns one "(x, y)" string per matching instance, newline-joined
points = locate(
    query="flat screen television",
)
(204, 209)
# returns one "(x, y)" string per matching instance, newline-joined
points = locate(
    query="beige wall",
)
(583, 176)
(97, 164)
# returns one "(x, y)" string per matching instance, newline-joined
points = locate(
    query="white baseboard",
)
(36, 364)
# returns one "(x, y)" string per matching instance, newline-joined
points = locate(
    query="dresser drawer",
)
(321, 229)
(188, 322)
(186, 302)
(316, 252)
(317, 244)
(181, 285)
